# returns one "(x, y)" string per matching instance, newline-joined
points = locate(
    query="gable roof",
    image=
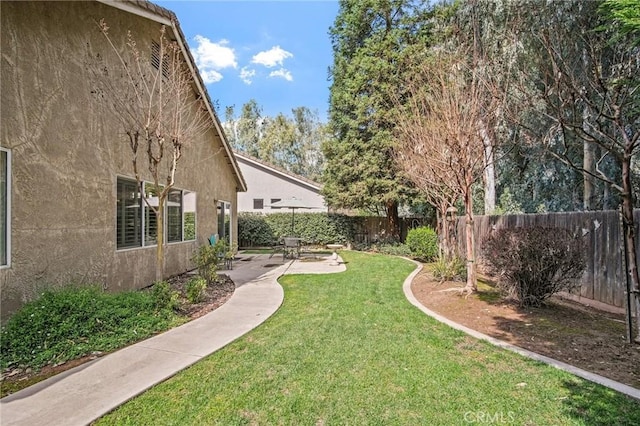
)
(148, 10)
(278, 171)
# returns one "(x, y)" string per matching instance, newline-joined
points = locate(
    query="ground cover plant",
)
(349, 349)
(71, 322)
(70, 326)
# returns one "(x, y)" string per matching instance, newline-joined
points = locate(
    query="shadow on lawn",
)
(595, 405)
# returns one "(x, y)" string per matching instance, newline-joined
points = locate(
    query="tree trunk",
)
(589, 165)
(489, 176)
(393, 221)
(588, 155)
(160, 240)
(472, 284)
(629, 238)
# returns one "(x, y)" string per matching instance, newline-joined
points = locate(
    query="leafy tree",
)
(368, 39)
(624, 15)
(249, 128)
(278, 142)
(291, 143)
(229, 126)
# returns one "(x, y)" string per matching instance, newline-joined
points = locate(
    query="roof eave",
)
(166, 17)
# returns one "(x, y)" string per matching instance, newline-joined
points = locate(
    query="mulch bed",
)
(581, 336)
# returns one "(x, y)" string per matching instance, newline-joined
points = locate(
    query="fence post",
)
(629, 320)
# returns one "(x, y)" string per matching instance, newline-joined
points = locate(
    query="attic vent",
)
(155, 59)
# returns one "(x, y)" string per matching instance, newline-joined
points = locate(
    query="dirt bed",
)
(581, 336)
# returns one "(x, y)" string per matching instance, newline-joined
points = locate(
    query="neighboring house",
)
(71, 210)
(269, 184)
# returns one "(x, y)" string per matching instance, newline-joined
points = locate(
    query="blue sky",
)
(276, 52)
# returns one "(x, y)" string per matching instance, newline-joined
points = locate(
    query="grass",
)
(349, 349)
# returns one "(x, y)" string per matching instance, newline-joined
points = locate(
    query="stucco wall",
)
(68, 151)
(267, 185)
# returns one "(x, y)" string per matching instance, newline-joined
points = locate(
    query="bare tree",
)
(440, 145)
(587, 91)
(155, 102)
(609, 88)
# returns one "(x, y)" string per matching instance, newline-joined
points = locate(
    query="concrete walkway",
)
(87, 392)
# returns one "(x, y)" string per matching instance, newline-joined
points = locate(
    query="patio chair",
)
(276, 247)
(225, 256)
(291, 247)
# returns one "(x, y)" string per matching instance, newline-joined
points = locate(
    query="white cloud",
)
(211, 76)
(247, 75)
(212, 57)
(282, 72)
(272, 57)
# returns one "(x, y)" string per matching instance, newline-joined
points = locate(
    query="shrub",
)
(254, 230)
(534, 263)
(314, 228)
(71, 322)
(423, 243)
(195, 289)
(206, 260)
(453, 269)
(163, 297)
(394, 249)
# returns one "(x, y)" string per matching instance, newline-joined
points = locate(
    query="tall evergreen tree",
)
(368, 38)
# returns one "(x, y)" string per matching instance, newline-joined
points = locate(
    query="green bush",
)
(163, 297)
(68, 323)
(254, 230)
(453, 269)
(206, 259)
(534, 263)
(195, 289)
(314, 228)
(397, 249)
(423, 243)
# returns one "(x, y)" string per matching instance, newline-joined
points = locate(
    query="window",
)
(258, 204)
(5, 207)
(137, 223)
(275, 200)
(224, 220)
(174, 216)
(128, 214)
(189, 215)
(150, 219)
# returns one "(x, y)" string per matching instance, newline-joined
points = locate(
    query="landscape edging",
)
(592, 377)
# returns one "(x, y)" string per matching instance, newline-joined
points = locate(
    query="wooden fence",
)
(373, 229)
(603, 279)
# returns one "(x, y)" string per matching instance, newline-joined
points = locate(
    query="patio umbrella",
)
(291, 203)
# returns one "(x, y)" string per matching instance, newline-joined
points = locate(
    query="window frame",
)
(261, 201)
(144, 240)
(7, 212)
(275, 200)
(224, 209)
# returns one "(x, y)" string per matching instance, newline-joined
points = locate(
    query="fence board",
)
(603, 279)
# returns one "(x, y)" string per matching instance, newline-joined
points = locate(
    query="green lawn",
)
(349, 349)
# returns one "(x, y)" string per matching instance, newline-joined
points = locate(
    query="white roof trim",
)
(133, 8)
(137, 10)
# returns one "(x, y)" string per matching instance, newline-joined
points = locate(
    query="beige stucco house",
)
(269, 184)
(71, 210)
